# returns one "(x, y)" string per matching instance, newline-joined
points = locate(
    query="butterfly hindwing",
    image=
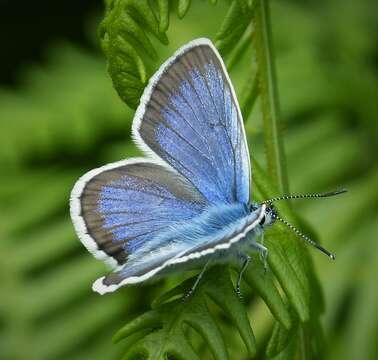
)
(122, 206)
(214, 230)
(190, 118)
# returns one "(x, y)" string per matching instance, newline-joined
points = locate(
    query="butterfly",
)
(187, 203)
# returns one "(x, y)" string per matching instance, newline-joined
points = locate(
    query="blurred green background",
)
(59, 117)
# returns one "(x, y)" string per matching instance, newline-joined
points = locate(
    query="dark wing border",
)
(76, 210)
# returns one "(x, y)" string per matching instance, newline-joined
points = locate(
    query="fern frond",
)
(234, 25)
(163, 326)
(124, 35)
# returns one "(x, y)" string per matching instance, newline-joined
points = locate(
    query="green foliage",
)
(162, 327)
(64, 119)
(57, 109)
(131, 54)
(61, 112)
(269, 97)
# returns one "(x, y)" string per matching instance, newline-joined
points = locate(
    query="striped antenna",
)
(310, 241)
(305, 196)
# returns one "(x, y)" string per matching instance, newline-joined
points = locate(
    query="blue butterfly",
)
(188, 201)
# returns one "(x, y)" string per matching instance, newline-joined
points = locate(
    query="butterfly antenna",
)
(303, 236)
(305, 196)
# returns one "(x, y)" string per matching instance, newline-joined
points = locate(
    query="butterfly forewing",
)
(191, 119)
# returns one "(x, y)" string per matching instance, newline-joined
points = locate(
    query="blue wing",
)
(121, 207)
(215, 229)
(190, 118)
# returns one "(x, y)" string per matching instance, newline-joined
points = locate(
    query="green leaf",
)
(124, 37)
(287, 257)
(262, 282)
(233, 27)
(249, 97)
(183, 7)
(290, 351)
(163, 15)
(165, 321)
(280, 339)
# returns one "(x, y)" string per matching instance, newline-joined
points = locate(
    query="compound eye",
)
(269, 210)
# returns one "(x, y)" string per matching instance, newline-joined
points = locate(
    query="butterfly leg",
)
(247, 260)
(198, 279)
(263, 251)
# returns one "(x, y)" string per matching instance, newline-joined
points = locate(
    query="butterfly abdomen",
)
(221, 225)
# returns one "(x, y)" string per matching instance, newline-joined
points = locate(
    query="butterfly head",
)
(269, 216)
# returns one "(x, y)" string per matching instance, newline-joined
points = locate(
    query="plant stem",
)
(304, 348)
(269, 97)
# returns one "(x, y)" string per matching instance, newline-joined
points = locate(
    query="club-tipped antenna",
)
(303, 236)
(306, 196)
